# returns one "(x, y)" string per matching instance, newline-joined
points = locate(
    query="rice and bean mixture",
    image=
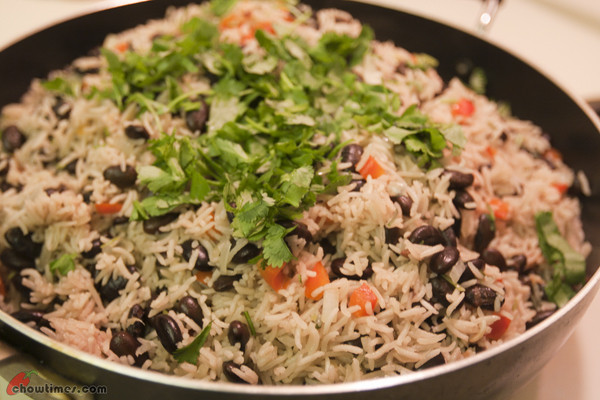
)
(255, 192)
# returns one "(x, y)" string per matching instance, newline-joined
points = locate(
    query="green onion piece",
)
(250, 324)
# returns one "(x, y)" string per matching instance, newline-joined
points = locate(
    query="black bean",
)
(246, 253)
(71, 167)
(225, 282)
(427, 235)
(110, 291)
(124, 344)
(202, 259)
(355, 342)
(440, 288)
(168, 332)
(392, 235)
(352, 153)
(36, 316)
(190, 307)
(136, 132)
(486, 231)
(87, 196)
(22, 243)
(196, 119)
(442, 262)
(238, 333)
(468, 274)
(16, 261)
(459, 180)
(433, 362)
(4, 170)
(518, 263)
(538, 317)
(118, 177)
(336, 266)
(462, 200)
(137, 328)
(12, 139)
(152, 224)
(405, 203)
(338, 263)
(61, 109)
(481, 296)
(457, 226)
(228, 367)
(94, 250)
(494, 257)
(328, 248)
(86, 71)
(301, 230)
(450, 237)
(120, 220)
(17, 283)
(358, 184)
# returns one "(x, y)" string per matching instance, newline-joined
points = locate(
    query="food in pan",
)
(252, 192)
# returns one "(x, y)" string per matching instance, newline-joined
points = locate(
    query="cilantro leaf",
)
(191, 352)
(220, 7)
(568, 266)
(250, 218)
(274, 246)
(63, 264)
(59, 85)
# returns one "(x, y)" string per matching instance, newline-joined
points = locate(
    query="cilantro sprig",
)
(260, 154)
(567, 266)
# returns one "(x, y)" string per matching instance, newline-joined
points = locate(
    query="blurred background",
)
(559, 37)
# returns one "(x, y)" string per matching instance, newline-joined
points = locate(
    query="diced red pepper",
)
(274, 277)
(491, 152)
(108, 208)
(203, 276)
(501, 209)
(229, 21)
(372, 168)
(314, 282)
(463, 107)
(553, 155)
(122, 47)
(499, 327)
(361, 296)
(561, 187)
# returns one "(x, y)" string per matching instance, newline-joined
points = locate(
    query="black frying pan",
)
(574, 130)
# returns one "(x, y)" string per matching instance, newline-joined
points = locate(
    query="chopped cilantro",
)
(63, 264)
(265, 111)
(568, 266)
(191, 352)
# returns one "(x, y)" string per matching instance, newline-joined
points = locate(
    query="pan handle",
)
(487, 15)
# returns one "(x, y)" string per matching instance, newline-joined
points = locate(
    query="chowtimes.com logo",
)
(20, 383)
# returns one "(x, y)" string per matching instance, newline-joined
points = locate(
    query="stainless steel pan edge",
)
(496, 372)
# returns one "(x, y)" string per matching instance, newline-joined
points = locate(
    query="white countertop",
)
(561, 37)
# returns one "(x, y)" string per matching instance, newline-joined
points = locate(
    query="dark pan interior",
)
(531, 95)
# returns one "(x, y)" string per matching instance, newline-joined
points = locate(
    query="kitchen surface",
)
(559, 37)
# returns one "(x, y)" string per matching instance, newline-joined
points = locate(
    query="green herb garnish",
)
(267, 113)
(568, 266)
(191, 352)
(250, 323)
(63, 264)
